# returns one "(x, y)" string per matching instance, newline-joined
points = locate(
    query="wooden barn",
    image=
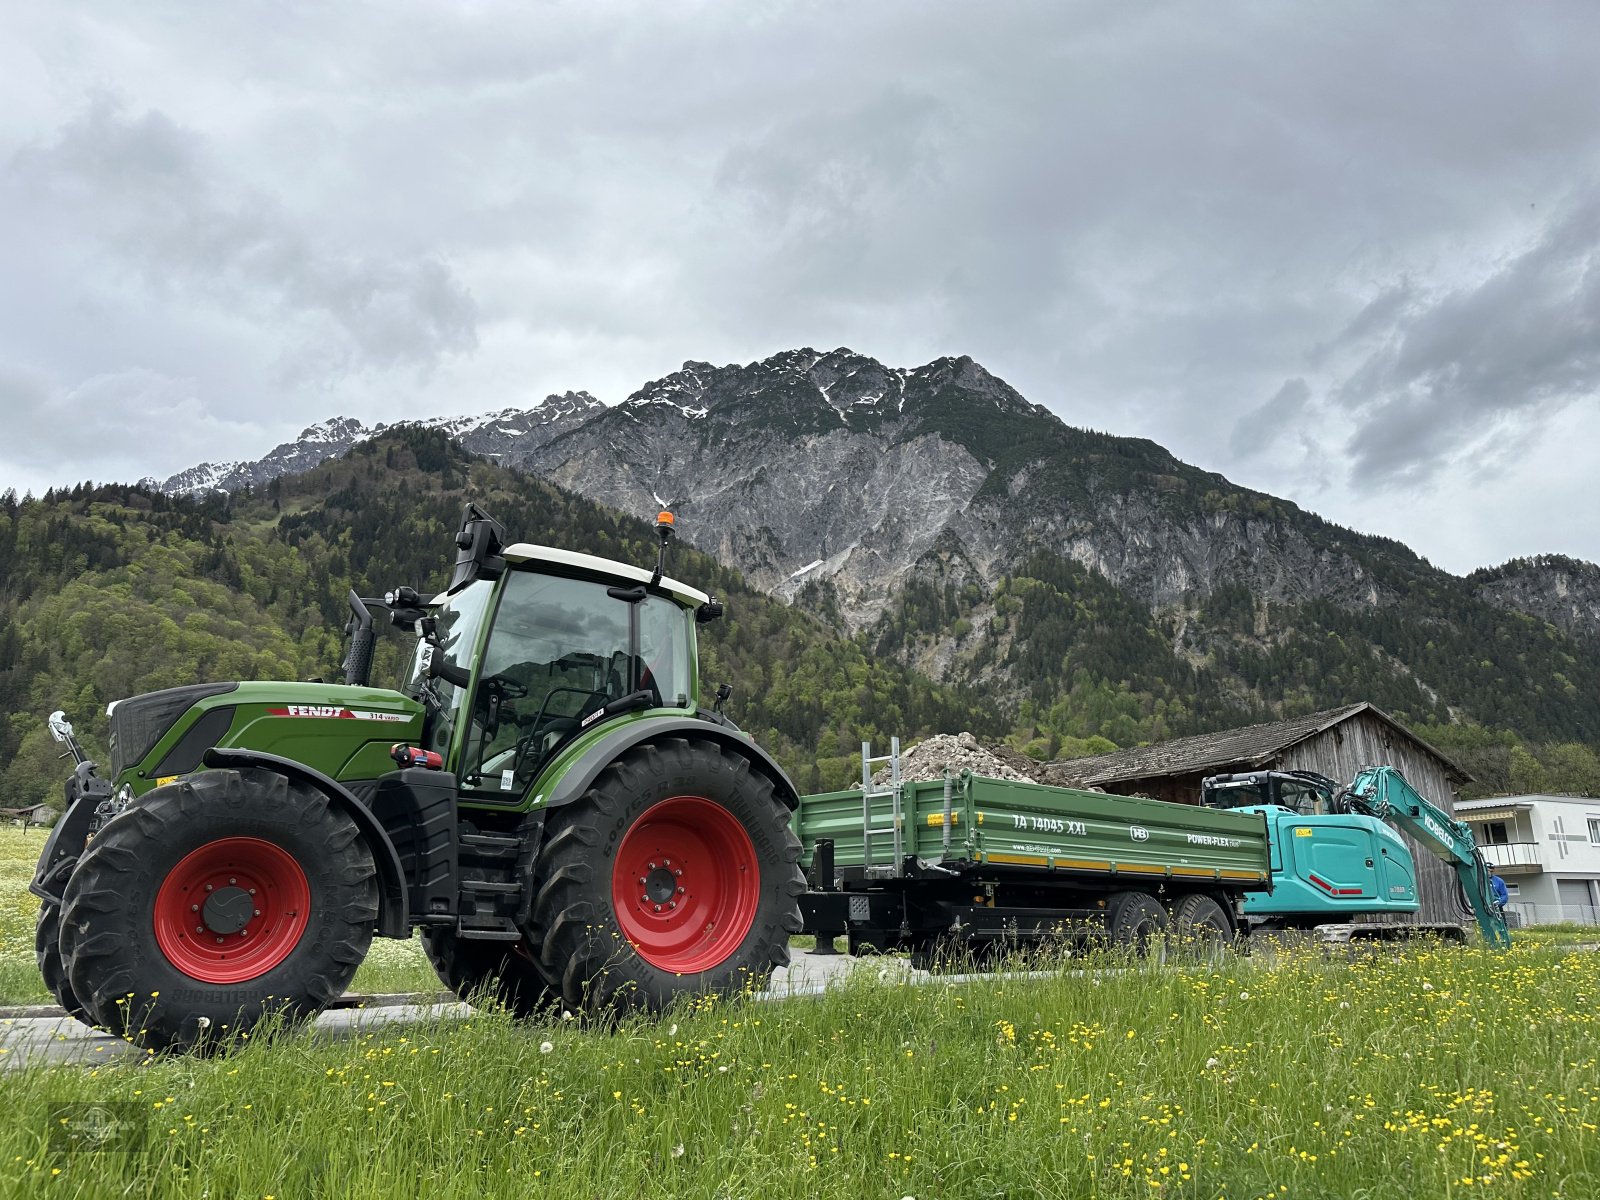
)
(1336, 743)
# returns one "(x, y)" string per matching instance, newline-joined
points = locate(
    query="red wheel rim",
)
(686, 884)
(232, 910)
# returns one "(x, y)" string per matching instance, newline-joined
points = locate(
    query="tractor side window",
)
(664, 651)
(557, 653)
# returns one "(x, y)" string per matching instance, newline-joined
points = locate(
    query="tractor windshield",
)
(460, 617)
(560, 650)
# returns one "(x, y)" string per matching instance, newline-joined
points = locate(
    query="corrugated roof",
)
(1252, 746)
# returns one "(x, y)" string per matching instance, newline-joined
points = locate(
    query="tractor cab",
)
(515, 668)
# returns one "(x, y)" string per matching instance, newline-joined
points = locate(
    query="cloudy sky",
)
(1346, 253)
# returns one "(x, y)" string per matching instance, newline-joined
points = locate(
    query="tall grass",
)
(1432, 1071)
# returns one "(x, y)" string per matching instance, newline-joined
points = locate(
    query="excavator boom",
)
(1383, 792)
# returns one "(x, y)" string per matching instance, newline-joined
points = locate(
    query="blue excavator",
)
(1336, 854)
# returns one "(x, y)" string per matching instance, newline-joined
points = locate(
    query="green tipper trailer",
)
(970, 864)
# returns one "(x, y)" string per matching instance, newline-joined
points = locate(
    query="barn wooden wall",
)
(1365, 741)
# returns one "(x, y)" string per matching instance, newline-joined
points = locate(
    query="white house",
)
(1548, 851)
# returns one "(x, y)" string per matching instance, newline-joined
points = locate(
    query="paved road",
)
(31, 1040)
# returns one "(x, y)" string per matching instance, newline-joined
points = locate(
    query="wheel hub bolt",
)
(256, 912)
(208, 887)
(678, 872)
(658, 908)
(672, 904)
(194, 908)
(199, 928)
(219, 941)
(231, 879)
(650, 866)
(252, 891)
(641, 881)
(680, 891)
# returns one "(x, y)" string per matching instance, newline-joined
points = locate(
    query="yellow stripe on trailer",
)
(937, 819)
(1020, 860)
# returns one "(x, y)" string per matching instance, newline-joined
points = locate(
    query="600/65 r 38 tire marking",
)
(138, 971)
(705, 808)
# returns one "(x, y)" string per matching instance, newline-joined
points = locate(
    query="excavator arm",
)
(1383, 792)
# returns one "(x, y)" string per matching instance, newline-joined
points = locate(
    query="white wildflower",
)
(546, 1047)
(677, 1151)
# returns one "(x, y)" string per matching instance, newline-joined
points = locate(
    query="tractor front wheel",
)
(503, 971)
(676, 872)
(215, 902)
(47, 951)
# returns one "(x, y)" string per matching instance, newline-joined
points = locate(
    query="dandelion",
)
(677, 1151)
(1213, 1063)
(546, 1047)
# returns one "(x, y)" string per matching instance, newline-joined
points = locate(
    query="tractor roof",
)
(523, 552)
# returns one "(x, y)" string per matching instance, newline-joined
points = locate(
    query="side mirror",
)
(60, 727)
(709, 611)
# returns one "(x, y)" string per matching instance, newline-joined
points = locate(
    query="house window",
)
(1496, 834)
(1594, 830)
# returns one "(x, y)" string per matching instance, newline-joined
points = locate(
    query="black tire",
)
(1201, 928)
(503, 971)
(585, 953)
(116, 962)
(47, 951)
(1136, 922)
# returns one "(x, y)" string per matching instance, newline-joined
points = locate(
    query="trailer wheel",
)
(47, 951)
(676, 872)
(1136, 922)
(504, 971)
(1200, 928)
(215, 902)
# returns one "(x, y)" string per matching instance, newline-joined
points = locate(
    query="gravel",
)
(958, 751)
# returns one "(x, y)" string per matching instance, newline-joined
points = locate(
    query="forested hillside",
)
(112, 590)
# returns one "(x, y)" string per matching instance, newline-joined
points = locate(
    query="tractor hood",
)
(341, 730)
(138, 722)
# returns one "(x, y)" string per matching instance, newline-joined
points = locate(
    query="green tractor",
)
(543, 799)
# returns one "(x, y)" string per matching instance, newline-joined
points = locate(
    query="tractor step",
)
(491, 887)
(488, 929)
(491, 845)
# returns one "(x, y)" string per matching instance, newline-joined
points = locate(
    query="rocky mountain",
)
(490, 435)
(1564, 591)
(938, 514)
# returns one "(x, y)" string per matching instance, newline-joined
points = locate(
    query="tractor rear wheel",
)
(675, 872)
(505, 971)
(47, 951)
(216, 902)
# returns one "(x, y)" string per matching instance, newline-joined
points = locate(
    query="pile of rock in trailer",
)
(959, 752)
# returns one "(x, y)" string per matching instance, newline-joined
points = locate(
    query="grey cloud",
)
(1448, 375)
(1256, 431)
(154, 199)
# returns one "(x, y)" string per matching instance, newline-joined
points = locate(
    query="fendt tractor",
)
(1336, 855)
(543, 798)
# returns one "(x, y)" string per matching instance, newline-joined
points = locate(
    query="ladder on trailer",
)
(895, 830)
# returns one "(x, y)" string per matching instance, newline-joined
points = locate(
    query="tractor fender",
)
(575, 780)
(393, 918)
